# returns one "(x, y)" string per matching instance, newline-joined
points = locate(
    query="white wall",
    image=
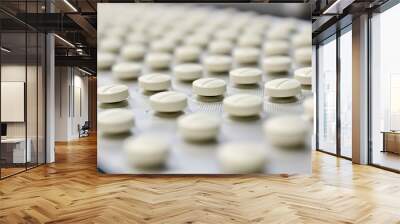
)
(70, 84)
(62, 80)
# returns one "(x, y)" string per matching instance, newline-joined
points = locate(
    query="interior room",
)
(385, 90)
(40, 80)
(376, 137)
(22, 99)
(48, 152)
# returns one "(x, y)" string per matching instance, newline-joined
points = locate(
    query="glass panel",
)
(41, 99)
(327, 96)
(385, 84)
(31, 98)
(23, 90)
(13, 87)
(346, 94)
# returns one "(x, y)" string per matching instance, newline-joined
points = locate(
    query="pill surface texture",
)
(303, 55)
(303, 75)
(126, 70)
(158, 60)
(188, 72)
(112, 93)
(308, 105)
(111, 45)
(286, 130)
(302, 40)
(241, 157)
(243, 105)
(144, 152)
(218, 63)
(168, 101)
(133, 52)
(187, 53)
(220, 47)
(114, 121)
(209, 87)
(246, 55)
(277, 64)
(284, 87)
(278, 47)
(198, 126)
(245, 75)
(105, 60)
(155, 82)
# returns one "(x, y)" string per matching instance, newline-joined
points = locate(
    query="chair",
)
(84, 130)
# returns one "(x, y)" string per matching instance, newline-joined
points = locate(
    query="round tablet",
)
(127, 70)
(286, 130)
(137, 38)
(115, 121)
(116, 32)
(158, 60)
(308, 105)
(188, 72)
(209, 87)
(241, 157)
(168, 101)
(302, 40)
(197, 40)
(243, 105)
(277, 47)
(199, 126)
(245, 75)
(187, 53)
(289, 24)
(105, 60)
(156, 32)
(175, 36)
(278, 33)
(249, 40)
(226, 34)
(162, 46)
(220, 47)
(246, 55)
(144, 152)
(112, 93)
(303, 75)
(277, 64)
(111, 45)
(303, 55)
(133, 52)
(155, 82)
(282, 87)
(218, 63)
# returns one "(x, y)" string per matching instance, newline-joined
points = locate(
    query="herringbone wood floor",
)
(71, 191)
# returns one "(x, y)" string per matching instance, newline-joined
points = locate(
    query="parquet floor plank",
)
(71, 191)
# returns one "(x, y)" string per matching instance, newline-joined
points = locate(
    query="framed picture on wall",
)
(12, 101)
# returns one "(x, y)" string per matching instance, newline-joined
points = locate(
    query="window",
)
(327, 96)
(385, 89)
(346, 92)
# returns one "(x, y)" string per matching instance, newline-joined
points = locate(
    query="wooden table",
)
(391, 141)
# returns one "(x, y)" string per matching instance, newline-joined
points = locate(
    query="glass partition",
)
(346, 92)
(22, 101)
(327, 96)
(385, 89)
(32, 97)
(41, 98)
(14, 153)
